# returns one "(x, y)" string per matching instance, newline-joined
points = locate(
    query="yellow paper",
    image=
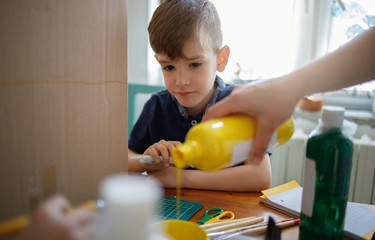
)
(281, 188)
(369, 234)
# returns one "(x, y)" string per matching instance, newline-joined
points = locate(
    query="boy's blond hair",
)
(176, 21)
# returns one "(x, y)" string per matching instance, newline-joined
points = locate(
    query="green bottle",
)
(326, 178)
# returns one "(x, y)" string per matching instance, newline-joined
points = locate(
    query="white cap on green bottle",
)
(332, 117)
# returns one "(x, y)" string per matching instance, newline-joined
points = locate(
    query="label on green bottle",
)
(308, 194)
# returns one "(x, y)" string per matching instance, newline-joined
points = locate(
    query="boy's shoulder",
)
(229, 86)
(160, 98)
(163, 92)
(161, 95)
(224, 89)
(223, 84)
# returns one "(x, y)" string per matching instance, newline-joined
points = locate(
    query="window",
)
(260, 35)
(266, 40)
(270, 38)
(350, 18)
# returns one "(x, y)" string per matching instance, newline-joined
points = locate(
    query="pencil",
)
(235, 225)
(16, 224)
(215, 224)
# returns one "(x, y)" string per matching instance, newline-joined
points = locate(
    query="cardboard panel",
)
(63, 99)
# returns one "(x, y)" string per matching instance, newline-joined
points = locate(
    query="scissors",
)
(217, 215)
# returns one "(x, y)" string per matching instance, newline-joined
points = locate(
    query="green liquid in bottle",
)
(332, 153)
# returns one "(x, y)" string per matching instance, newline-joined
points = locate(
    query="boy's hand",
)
(162, 148)
(167, 177)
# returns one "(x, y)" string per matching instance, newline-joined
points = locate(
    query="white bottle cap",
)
(332, 117)
(126, 190)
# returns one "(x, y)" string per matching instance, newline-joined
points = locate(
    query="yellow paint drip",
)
(178, 193)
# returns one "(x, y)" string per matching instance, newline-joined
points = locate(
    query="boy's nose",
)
(182, 79)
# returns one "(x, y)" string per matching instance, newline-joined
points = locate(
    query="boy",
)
(186, 38)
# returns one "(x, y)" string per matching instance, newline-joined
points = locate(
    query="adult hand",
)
(51, 221)
(269, 103)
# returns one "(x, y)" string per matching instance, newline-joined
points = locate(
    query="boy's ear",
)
(222, 58)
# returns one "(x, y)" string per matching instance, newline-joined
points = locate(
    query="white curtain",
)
(312, 24)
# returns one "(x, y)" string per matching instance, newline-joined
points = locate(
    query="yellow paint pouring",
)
(178, 193)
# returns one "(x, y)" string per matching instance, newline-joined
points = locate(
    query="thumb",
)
(223, 108)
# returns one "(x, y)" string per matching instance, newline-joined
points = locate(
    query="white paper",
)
(289, 200)
(358, 220)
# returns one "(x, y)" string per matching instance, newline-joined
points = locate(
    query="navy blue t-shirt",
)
(163, 117)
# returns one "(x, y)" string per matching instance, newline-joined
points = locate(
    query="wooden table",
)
(241, 204)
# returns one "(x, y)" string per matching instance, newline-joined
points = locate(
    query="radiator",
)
(287, 163)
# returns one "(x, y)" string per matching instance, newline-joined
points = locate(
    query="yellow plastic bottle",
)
(223, 142)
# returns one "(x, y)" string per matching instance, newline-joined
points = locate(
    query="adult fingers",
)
(223, 108)
(261, 141)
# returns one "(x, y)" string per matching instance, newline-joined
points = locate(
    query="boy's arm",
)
(133, 166)
(249, 178)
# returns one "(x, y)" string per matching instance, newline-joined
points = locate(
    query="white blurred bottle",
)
(130, 207)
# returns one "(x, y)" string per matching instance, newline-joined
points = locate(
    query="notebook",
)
(167, 208)
(287, 198)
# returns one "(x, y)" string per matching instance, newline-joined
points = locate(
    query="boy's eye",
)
(195, 65)
(168, 68)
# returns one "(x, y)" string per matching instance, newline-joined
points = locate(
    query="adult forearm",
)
(351, 64)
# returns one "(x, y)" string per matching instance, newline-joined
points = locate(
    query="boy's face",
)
(190, 79)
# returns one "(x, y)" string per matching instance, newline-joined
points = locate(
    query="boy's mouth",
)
(184, 94)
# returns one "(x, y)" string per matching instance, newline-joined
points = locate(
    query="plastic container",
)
(130, 207)
(326, 178)
(183, 230)
(223, 142)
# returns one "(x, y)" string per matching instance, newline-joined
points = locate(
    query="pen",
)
(252, 230)
(281, 224)
(16, 224)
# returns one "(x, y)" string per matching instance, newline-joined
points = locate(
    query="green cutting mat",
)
(167, 208)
